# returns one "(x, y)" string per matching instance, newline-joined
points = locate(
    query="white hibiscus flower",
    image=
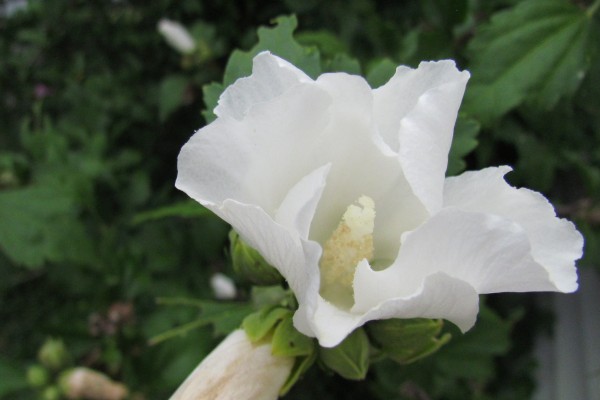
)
(342, 188)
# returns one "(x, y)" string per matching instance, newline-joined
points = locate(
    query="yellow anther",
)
(350, 243)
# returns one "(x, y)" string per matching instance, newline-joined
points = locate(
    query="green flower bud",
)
(37, 376)
(250, 265)
(51, 393)
(350, 359)
(53, 354)
(407, 340)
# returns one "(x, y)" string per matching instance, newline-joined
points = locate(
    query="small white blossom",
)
(237, 369)
(342, 188)
(223, 286)
(176, 35)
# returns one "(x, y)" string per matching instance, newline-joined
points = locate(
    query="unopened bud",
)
(223, 286)
(407, 340)
(237, 369)
(250, 265)
(51, 393)
(177, 36)
(53, 354)
(37, 376)
(84, 383)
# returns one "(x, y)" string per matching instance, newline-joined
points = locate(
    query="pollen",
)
(350, 243)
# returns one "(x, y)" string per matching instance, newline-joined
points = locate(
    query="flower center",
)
(350, 243)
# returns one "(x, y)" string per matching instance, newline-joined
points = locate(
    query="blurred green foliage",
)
(95, 106)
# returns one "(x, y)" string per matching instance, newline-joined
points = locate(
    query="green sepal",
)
(349, 359)
(407, 340)
(301, 365)
(250, 265)
(259, 324)
(263, 296)
(287, 341)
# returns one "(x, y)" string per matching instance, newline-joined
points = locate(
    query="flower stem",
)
(180, 330)
(593, 8)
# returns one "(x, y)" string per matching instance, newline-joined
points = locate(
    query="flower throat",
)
(350, 243)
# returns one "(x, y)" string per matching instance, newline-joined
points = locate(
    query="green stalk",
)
(593, 8)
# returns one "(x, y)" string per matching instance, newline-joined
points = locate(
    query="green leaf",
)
(172, 90)
(211, 93)
(328, 43)
(445, 13)
(37, 224)
(23, 213)
(280, 41)
(536, 50)
(259, 324)
(419, 45)
(381, 72)
(537, 163)
(464, 141)
(287, 341)
(342, 63)
(408, 340)
(350, 359)
(472, 355)
(184, 209)
(13, 377)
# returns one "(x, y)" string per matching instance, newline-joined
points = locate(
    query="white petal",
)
(440, 296)
(359, 167)
(415, 112)
(488, 252)
(298, 208)
(271, 76)
(555, 243)
(280, 141)
(352, 98)
(296, 259)
(402, 93)
(256, 161)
